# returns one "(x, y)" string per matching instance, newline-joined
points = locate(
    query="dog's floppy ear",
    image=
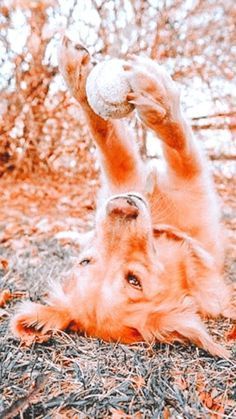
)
(178, 321)
(198, 253)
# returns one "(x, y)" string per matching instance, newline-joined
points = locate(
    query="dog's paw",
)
(27, 325)
(35, 322)
(154, 93)
(74, 64)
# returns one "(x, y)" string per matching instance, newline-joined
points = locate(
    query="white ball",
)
(107, 87)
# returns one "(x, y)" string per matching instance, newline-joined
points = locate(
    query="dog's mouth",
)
(127, 206)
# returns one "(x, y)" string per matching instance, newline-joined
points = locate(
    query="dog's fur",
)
(153, 266)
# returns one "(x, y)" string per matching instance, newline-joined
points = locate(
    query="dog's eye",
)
(133, 281)
(85, 262)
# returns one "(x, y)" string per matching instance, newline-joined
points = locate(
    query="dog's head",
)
(134, 281)
(119, 268)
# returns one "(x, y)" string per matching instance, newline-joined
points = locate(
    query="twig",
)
(23, 402)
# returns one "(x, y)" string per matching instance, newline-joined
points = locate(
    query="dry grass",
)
(73, 376)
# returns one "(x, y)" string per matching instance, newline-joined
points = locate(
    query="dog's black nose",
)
(123, 206)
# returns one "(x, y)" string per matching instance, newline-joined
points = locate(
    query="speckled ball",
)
(107, 88)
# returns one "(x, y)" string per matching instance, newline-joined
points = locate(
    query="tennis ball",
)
(107, 87)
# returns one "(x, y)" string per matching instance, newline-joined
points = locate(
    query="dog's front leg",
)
(119, 155)
(157, 101)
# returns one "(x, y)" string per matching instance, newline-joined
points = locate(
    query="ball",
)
(107, 87)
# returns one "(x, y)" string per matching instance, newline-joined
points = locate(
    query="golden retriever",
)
(152, 268)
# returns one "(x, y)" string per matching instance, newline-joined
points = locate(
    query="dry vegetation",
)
(49, 179)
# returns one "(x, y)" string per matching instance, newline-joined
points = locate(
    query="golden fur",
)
(152, 268)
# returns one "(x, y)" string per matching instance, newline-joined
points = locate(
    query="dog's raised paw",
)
(74, 65)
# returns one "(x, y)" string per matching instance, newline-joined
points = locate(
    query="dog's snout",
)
(123, 207)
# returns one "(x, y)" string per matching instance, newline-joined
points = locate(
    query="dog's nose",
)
(123, 207)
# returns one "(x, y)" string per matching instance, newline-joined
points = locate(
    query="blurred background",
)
(42, 128)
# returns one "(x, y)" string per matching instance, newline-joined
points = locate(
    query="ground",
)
(74, 376)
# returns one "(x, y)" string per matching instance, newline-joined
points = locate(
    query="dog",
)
(152, 268)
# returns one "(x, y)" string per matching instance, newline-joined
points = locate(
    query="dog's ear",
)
(179, 322)
(198, 254)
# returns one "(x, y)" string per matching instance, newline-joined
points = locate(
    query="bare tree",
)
(42, 127)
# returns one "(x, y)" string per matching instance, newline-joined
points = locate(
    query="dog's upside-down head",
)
(134, 282)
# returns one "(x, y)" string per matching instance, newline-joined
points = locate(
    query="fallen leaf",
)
(166, 413)
(28, 340)
(181, 382)
(5, 296)
(231, 334)
(138, 381)
(206, 399)
(4, 264)
(118, 414)
(3, 313)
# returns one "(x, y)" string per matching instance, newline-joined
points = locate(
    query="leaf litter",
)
(73, 376)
